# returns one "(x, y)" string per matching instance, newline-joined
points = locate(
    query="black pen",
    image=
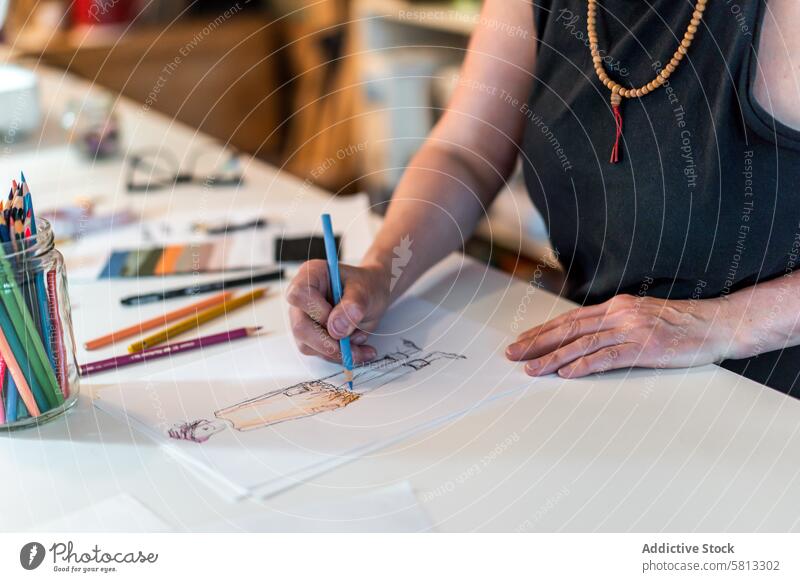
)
(226, 228)
(202, 288)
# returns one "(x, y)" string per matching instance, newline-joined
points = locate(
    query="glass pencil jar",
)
(38, 368)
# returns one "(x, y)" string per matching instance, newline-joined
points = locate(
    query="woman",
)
(667, 177)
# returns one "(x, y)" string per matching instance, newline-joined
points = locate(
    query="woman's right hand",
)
(318, 326)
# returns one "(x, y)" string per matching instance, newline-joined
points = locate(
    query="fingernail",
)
(339, 326)
(512, 351)
(358, 338)
(533, 366)
(565, 372)
(368, 352)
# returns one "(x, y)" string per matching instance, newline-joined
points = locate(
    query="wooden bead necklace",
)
(618, 92)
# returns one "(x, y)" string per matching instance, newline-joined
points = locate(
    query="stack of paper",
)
(260, 419)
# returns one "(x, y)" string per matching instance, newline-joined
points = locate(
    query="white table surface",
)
(640, 450)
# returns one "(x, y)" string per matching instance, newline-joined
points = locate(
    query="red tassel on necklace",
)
(616, 101)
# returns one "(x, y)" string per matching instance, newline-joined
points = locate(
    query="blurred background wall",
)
(339, 92)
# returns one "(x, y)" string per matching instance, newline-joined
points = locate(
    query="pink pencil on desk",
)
(169, 349)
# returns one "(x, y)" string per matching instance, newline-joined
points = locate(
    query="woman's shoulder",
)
(776, 86)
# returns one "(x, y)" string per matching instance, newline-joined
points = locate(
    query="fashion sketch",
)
(312, 396)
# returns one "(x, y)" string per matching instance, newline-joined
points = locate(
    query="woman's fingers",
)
(359, 337)
(309, 333)
(313, 339)
(309, 351)
(318, 326)
(309, 289)
(548, 341)
(349, 313)
(604, 360)
(581, 347)
(564, 319)
(623, 332)
(360, 356)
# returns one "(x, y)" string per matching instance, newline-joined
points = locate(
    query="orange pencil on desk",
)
(196, 320)
(157, 321)
(16, 372)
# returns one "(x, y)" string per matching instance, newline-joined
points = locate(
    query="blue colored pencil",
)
(336, 290)
(22, 341)
(13, 403)
(12, 397)
(41, 292)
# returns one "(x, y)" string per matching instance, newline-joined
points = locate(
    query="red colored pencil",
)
(58, 349)
(166, 350)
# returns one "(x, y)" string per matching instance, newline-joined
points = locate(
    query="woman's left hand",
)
(628, 331)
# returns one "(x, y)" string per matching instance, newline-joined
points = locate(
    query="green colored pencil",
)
(42, 400)
(23, 323)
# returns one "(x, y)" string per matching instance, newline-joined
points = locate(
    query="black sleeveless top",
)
(704, 200)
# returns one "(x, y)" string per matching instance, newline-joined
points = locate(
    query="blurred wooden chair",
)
(320, 143)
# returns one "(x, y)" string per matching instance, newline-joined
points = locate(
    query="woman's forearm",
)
(435, 208)
(471, 151)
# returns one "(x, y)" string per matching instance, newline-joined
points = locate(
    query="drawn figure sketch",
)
(311, 397)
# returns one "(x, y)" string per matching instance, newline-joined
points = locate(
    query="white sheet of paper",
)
(261, 433)
(392, 509)
(119, 514)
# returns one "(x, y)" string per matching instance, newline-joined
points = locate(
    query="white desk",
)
(639, 450)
